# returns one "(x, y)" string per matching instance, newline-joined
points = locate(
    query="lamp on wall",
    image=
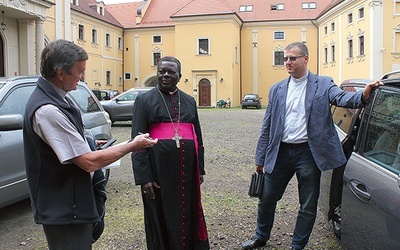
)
(221, 80)
(186, 80)
(3, 24)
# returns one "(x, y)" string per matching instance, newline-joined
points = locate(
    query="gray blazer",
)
(322, 137)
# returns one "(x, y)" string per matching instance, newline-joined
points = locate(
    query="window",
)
(74, 2)
(310, 5)
(343, 117)
(279, 6)
(349, 18)
(361, 45)
(156, 39)
(246, 8)
(361, 13)
(101, 10)
(382, 140)
(325, 55)
(333, 53)
(325, 30)
(84, 100)
(332, 27)
(81, 32)
(396, 41)
(128, 76)
(16, 101)
(108, 40)
(203, 46)
(279, 35)
(94, 36)
(119, 43)
(156, 58)
(108, 77)
(278, 58)
(350, 48)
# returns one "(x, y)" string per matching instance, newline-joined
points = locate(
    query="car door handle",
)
(360, 190)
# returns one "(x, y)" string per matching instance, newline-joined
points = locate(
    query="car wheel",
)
(259, 107)
(106, 173)
(336, 222)
(242, 107)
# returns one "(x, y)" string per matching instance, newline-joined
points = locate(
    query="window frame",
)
(207, 52)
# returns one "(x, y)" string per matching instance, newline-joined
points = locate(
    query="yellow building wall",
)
(391, 37)
(221, 62)
(102, 58)
(258, 47)
(138, 58)
(50, 24)
(345, 66)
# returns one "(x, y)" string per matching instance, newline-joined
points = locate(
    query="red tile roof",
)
(161, 12)
(84, 6)
(125, 13)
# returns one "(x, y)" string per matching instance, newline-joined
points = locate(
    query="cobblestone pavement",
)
(230, 137)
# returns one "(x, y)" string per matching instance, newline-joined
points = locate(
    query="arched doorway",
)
(205, 92)
(2, 59)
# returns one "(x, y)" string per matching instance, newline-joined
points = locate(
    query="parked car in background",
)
(251, 100)
(14, 93)
(120, 108)
(362, 198)
(105, 94)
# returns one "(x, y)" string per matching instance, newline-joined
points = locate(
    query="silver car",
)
(14, 93)
(362, 198)
(120, 108)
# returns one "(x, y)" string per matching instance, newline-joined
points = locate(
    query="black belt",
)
(294, 145)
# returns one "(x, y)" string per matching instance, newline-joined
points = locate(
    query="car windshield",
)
(250, 96)
(84, 100)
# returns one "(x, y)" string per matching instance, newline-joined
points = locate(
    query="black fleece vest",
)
(60, 193)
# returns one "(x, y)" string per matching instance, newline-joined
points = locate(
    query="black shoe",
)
(253, 243)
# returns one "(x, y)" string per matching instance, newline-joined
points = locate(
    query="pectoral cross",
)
(177, 138)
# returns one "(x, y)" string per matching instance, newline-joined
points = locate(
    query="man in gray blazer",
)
(298, 136)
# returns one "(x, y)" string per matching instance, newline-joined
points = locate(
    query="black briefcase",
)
(256, 184)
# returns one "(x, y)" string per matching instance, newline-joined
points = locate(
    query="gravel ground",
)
(230, 137)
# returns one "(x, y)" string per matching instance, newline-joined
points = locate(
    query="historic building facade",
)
(227, 47)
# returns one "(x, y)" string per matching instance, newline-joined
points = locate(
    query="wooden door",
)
(205, 92)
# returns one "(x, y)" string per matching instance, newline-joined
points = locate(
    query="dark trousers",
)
(291, 160)
(69, 237)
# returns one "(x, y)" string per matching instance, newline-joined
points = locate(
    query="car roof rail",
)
(391, 75)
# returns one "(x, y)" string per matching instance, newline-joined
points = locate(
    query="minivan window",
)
(15, 101)
(84, 100)
(382, 137)
(342, 117)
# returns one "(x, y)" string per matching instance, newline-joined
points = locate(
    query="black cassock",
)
(174, 220)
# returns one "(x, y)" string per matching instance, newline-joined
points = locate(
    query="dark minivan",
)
(362, 198)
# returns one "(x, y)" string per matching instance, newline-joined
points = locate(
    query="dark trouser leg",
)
(308, 176)
(69, 237)
(273, 188)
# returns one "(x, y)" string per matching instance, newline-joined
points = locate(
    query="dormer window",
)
(246, 8)
(101, 10)
(74, 2)
(279, 6)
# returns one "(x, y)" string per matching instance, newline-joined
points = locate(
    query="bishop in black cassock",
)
(170, 173)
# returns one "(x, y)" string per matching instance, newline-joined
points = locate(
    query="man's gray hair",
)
(303, 48)
(60, 54)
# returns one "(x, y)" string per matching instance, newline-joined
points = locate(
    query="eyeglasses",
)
(291, 58)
